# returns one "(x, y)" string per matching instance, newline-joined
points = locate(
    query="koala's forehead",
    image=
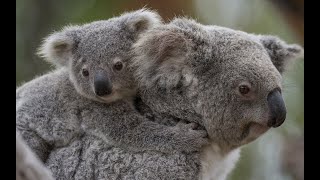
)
(239, 55)
(103, 39)
(249, 63)
(253, 69)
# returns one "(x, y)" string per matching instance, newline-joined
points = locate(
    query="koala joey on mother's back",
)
(91, 92)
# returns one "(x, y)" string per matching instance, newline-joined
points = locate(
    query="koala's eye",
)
(85, 72)
(244, 89)
(118, 66)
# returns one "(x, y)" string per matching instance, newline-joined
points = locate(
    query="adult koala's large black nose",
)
(102, 83)
(277, 108)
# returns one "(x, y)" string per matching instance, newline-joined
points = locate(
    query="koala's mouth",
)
(113, 96)
(252, 131)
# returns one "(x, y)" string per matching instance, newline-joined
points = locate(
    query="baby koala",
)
(92, 92)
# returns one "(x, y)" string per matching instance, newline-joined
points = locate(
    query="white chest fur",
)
(217, 164)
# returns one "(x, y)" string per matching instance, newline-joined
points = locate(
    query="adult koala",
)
(227, 81)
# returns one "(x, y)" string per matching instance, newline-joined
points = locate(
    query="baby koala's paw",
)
(188, 138)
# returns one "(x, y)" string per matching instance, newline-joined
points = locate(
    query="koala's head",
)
(96, 54)
(231, 79)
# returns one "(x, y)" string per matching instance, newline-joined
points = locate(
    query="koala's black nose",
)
(102, 83)
(277, 108)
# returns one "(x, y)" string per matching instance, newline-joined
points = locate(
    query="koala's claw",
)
(188, 138)
(192, 125)
(201, 133)
(183, 124)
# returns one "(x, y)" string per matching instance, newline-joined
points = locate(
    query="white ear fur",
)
(57, 47)
(280, 52)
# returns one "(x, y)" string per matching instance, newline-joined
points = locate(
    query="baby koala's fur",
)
(90, 96)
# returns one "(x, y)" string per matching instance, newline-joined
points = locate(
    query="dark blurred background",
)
(277, 155)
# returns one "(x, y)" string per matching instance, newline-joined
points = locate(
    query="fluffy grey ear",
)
(143, 19)
(57, 47)
(160, 59)
(280, 52)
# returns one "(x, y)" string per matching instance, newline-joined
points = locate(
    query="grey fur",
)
(188, 71)
(197, 69)
(192, 71)
(59, 115)
(28, 166)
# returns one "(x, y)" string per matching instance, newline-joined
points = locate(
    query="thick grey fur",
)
(60, 117)
(188, 71)
(28, 166)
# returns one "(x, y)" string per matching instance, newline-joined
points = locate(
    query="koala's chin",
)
(117, 94)
(114, 96)
(253, 131)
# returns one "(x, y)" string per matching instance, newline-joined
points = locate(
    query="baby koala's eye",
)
(85, 72)
(118, 66)
(244, 89)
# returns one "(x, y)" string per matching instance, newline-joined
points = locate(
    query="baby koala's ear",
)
(142, 20)
(57, 47)
(280, 52)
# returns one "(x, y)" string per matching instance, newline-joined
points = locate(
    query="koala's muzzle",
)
(277, 109)
(102, 83)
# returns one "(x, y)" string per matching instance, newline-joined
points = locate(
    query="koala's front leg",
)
(38, 145)
(148, 135)
(125, 127)
(43, 133)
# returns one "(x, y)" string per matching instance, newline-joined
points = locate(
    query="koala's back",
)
(92, 158)
(117, 163)
(46, 108)
(63, 162)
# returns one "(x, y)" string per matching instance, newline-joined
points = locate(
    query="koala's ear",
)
(57, 47)
(160, 59)
(280, 52)
(142, 20)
